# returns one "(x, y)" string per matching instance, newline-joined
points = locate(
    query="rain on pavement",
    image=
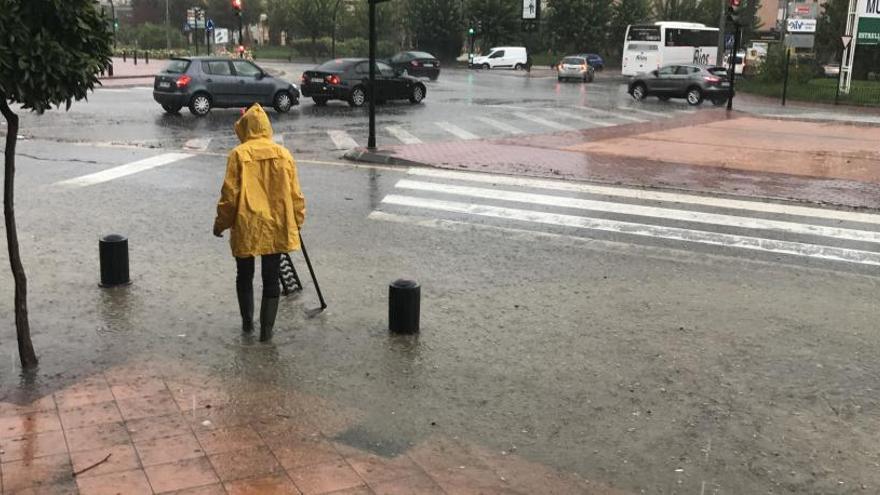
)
(576, 338)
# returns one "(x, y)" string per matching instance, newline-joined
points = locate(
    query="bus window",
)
(643, 33)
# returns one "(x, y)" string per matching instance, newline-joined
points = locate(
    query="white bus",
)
(649, 46)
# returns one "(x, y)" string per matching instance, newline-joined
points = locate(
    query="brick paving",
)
(151, 428)
(711, 152)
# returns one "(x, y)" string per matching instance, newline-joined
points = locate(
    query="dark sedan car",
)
(594, 60)
(347, 79)
(202, 83)
(416, 64)
(691, 82)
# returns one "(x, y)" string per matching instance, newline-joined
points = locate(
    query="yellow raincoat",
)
(261, 200)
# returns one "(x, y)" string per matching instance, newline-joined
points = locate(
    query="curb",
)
(363, 155)
(112, 78)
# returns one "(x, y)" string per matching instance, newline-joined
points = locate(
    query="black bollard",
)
(135, 57)
(147, 58)
(403, 306)
(113, 251)
(110, 70)
(124, 53)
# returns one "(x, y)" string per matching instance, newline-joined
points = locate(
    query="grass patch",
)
(862, 93)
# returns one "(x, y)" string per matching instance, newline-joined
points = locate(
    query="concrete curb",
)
(381, 157)
(113, 78)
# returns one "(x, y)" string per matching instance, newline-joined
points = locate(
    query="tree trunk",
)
(22, 327)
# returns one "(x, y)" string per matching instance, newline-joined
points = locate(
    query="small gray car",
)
(202, 83)
(575, 67)
(691, 82)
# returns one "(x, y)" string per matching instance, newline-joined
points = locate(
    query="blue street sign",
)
(186, 27)
(728, 41)
(210, 25)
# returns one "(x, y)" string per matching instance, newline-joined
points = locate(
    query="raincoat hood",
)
(254, 124)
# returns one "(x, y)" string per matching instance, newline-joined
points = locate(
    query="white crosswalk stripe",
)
(197, 144)
(342, 140)
(122, 170)
(616, 115)
(278, 138)
(547, 123)
(456, 131)
(738, 226)
(574, 116)
(503, 126)
(646, 112)
(402, 134)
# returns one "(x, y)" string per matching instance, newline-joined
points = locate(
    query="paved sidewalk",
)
(163, 427)
(126, 73)
(711, 151)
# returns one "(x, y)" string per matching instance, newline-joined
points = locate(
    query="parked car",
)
(416, 64)
(347, 79)
(692, 82)
(831, 70)
(511, 57)
(594, 60)
(203, 83)
(575, 67)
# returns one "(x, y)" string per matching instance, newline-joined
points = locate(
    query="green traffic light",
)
(471, 31)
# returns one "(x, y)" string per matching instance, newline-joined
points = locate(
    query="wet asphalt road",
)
(644, 362)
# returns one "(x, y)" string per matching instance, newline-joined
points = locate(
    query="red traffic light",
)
(240, 48)
(735, 3)
(236, 5)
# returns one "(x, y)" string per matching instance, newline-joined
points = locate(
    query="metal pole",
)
(371, 140)
(732, 69)
(785, 79)
(840, 75)
(240, 35)
(302, 245)
(333, 48)
(113, 13)
(167, 32)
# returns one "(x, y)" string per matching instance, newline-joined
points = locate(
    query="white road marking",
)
(122, 170)
(645, 211)
(143, 88)
(642, 230)
(197, 144)
(613, 114)
(278, 138)
(646, 112)
(647, 195)
(504, 126)
(402, 134)
(544, 122)
(456, 131)
(342, 140)
(574, 116)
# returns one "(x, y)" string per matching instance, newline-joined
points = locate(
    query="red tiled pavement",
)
(150, 448)
(710, 151)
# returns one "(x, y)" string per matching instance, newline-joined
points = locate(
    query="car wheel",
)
(418, 94)
(639, 92)
(282, 102)
(485, 67)
(358, 97)
(694, 96)
(200, 104)
(171, 108)
(320, 100)
(518, 67)
(719, 101)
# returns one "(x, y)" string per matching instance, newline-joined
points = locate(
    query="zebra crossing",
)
(731, 227)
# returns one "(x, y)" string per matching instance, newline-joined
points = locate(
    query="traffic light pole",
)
(371, 140)
(732, 72)
(240, 35)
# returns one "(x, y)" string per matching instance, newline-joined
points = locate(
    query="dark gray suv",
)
(202, 83)
(691, 82)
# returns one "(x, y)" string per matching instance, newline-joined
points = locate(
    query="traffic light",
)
(733, 10)
(237, 6)
(115, 25)
(470, 31)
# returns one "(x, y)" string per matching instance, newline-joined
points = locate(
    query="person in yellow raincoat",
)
(261, 201)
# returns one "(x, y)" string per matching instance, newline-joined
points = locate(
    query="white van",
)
(509, 57)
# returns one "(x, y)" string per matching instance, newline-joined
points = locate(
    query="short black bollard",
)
(147, 58)
(113, 251)
(110, 70)
(135, 57)
(403, 306)
(124, 53)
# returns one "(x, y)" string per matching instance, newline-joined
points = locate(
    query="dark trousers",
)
(270, 265)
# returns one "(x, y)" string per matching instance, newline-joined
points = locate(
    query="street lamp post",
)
(167, 27)
(333, 42)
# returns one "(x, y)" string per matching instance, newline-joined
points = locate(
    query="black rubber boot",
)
(246, 306)
(268, 310)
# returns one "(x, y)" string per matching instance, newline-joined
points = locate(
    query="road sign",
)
(221, 36)
(845, 40)
(209, 25)
(186, 27)
(801, 25)
(530, 10)
(728, 41)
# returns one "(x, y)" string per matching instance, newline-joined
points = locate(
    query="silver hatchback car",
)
(575, 67)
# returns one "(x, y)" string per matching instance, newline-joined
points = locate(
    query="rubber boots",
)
(246, 306)
(268, 310)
